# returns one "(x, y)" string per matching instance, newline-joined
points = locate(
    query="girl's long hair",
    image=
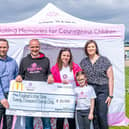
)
(59, 61)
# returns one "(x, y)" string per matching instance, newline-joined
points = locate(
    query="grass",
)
(127, 99)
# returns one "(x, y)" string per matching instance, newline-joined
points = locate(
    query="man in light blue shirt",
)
(8, 72)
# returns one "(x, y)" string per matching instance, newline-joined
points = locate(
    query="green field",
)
(127, 98)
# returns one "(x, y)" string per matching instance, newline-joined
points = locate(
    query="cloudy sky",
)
(104, 11)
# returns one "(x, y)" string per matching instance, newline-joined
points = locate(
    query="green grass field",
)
(127, 99)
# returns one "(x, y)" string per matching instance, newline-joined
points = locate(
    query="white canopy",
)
(52, 22)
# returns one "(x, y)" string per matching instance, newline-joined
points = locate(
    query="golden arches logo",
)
(17, 86)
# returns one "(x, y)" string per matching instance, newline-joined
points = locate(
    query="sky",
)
(102, 11)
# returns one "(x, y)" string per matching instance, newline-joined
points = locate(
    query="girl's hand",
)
(90, 116)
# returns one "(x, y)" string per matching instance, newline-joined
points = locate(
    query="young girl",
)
(85, 96)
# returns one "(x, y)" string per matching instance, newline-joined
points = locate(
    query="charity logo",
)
(34, 68)
(30, 84)
(65, 76)
(82, 95)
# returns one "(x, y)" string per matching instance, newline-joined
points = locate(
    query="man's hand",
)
(5, 103)
(18, 78)
(50, 79)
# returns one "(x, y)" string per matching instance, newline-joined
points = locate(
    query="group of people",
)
(92, 82)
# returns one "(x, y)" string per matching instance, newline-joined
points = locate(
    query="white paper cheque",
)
(39, 99)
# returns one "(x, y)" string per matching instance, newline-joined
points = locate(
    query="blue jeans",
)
(29, 123)
(100, 120)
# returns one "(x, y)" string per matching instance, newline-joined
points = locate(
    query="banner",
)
(39, 99)
(62, 31)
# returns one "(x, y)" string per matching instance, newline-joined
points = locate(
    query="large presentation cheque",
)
(39, 99)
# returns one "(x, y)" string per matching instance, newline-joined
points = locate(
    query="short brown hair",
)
(5, 40)
(80, 73)
(86, 45)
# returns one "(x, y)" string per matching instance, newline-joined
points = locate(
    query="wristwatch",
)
(111, 96)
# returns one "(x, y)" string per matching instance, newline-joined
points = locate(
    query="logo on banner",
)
(16, 86)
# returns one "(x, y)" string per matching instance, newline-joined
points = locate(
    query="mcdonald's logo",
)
(17, 86)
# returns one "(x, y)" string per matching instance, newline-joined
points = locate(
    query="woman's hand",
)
(111, 84)
(108, 100)
(65, 81)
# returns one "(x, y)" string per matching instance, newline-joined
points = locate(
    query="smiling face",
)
(91, 49)
(3, 49)
(65, 58)
(81, 79)
(34, 47)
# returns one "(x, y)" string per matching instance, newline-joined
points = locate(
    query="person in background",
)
(100, 75)
(64, 71)
(35, 67)
(85, 98)
(8, 72)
